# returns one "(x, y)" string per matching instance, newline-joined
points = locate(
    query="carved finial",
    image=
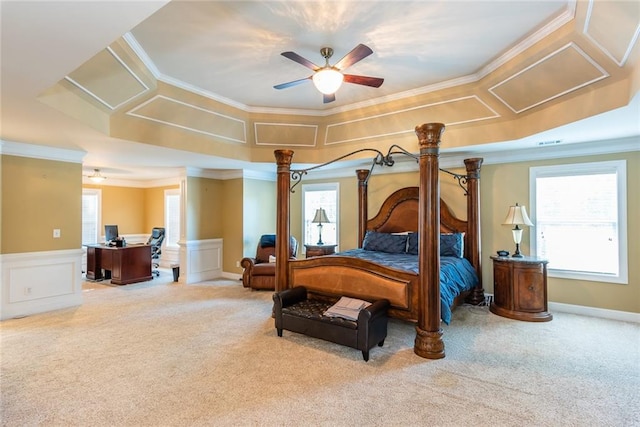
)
(283, 158)
(429, 134)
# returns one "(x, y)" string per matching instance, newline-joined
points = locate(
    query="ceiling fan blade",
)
(359, 52)
(290, 84)
(328, 98)
(363, 80)
(300, 60)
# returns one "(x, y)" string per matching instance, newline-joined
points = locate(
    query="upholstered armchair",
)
(259, 273)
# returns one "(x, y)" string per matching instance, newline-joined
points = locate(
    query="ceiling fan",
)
(328, 79)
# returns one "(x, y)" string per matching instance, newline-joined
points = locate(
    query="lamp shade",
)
(327, 80)
(517, 215)
(320, 217)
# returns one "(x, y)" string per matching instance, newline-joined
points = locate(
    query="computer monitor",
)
(110, 232)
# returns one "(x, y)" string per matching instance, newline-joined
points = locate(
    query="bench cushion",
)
(314, 309)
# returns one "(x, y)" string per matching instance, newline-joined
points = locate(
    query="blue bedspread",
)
(456, 274)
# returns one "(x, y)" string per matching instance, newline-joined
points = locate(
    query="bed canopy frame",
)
(428, 342)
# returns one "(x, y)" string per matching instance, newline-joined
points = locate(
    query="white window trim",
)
(327, 186)
(98, 193)
(171, 192)
(620, 168)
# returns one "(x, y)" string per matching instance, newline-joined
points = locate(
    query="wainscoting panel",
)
(200, 260)
(40, 281)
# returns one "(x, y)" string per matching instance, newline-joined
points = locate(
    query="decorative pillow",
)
(412, 244)
(451, 244)
(385, 242)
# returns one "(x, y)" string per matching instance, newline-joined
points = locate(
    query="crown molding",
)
(12, 148)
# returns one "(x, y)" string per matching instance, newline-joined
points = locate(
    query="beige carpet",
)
(165, 354)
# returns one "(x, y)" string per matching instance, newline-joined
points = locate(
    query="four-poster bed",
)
(414, 295)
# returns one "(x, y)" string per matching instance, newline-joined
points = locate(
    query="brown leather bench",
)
(295, 312)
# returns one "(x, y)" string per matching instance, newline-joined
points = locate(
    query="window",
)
(579, 212)
(90, 215)
(172, 217)
(314, 197)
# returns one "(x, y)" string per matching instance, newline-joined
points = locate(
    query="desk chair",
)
(155, 241)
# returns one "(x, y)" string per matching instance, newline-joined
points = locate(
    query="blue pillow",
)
(451, 244)
(385, 242)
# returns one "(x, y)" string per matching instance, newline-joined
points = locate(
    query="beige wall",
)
(205, 204)
(381, 185)
(502, 185)
(39, 196)
(259, 213)
(232, 220)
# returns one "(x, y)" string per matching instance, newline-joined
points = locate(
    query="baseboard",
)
(603, 313)
(623, 316)
(232, 276)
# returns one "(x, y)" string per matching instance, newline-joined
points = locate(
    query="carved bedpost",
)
(428, 342)
(283, 159)
(473, 221)
(363, 215)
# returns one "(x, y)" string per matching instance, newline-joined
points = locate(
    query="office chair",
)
(155, 241)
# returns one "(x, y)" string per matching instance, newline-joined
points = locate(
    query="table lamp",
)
(517, 216)
(319, 218)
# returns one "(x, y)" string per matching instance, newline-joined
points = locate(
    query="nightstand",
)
(520, 288)
(319, 250)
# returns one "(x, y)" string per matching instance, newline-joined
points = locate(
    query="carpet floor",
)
(166, 354)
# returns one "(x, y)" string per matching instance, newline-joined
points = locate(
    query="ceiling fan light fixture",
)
(97, 177)
(328, 80)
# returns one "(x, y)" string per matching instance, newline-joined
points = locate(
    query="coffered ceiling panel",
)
(286, 134)
(107, 79)
(171, 112)
(548, 79)
(603, 16)
(451, 112)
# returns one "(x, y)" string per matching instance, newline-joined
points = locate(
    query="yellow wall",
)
(259, 213)
(39, 196)
(154, 207)
(205, 204)
(133, 210)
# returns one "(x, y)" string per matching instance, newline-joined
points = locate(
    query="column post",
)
(283, 160)
(428, 342)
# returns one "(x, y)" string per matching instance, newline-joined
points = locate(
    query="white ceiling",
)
(230, 50)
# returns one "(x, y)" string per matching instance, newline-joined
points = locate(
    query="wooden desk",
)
(129, 264)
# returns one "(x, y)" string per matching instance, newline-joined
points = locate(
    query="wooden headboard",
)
(399, 213)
